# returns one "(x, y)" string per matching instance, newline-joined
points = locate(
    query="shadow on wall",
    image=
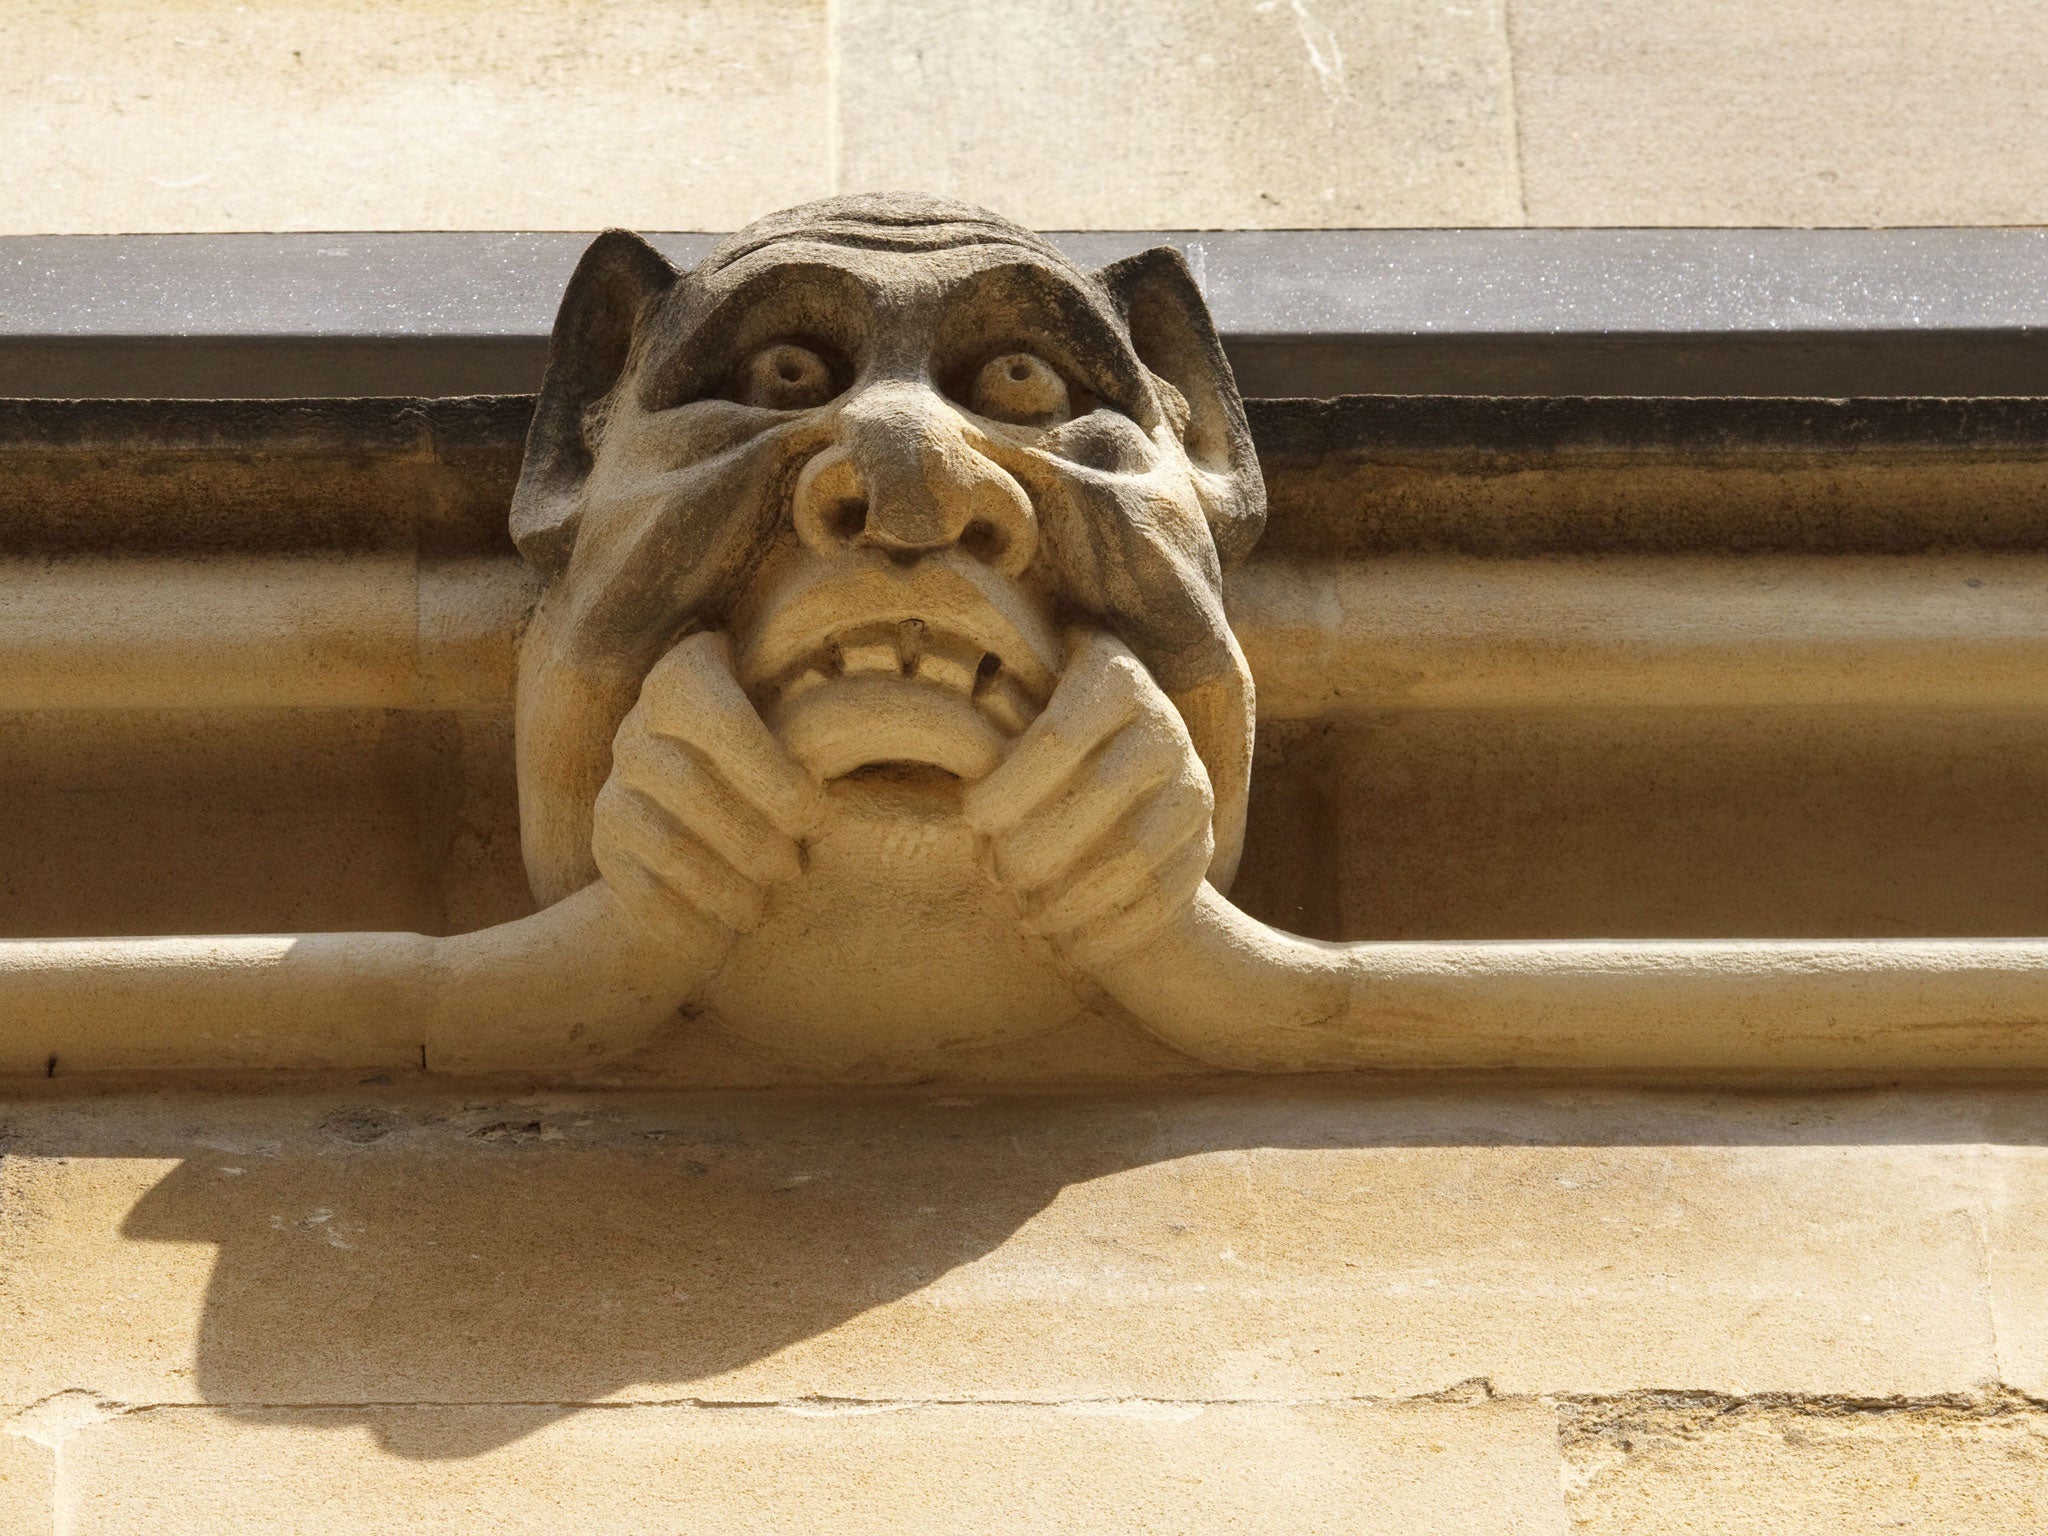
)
(528, 1258)
(553, 1253)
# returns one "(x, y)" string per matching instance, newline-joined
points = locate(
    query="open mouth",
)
(857, 662)
(914, 649)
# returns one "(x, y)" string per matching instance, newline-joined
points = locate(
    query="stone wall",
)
(1393, 1305)
(1432, 1311)
(150, 115)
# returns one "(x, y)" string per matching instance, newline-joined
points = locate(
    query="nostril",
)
(848, 520)
(983, 540)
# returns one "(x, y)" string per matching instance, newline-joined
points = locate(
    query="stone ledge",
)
(1966, 1466)
(383, 1245)
(1970, 1464)
(1301, 311)
(27, 1481)
(1361, 476)
(1488, 1470)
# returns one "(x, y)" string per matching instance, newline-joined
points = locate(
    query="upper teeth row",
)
(909, 649)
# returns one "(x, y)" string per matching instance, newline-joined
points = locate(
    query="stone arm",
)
(1096, 821)
(580, 984)
(701, 814)
(568, 986)
(1231, 991)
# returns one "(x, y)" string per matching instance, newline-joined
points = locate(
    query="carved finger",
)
(691, 696)
(1097, 694)
(674, 778)
(1135, 762)
(635, 835)
(1117, 933)
(1150, 842)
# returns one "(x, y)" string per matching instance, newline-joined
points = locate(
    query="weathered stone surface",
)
(27, 1480)
(1949, 1469)
(1185, 115)
(386, 1245)
(1487, 1470)
(1622, 821)
(1844, 112)
(2016, 1263)
(252, 820)
(144, 116)
(464, 114)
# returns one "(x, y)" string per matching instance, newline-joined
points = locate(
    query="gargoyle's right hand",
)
(704, 810)
(1100, 819)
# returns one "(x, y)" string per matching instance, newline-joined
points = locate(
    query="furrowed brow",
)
(813, 302)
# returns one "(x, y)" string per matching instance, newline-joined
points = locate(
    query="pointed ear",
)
(1175, 338)
(601, 310)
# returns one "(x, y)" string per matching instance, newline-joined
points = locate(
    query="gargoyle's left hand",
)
(704, 811)
(1099, 820)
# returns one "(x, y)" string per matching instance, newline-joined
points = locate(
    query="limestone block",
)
(390, 1244)
(1842, 112)
(1094, 114)
(2016, 1261)
(1487, 1470)
(464, 114)
(27, 1480)
(1972, 1469)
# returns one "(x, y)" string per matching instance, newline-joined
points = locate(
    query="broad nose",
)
(902, 477)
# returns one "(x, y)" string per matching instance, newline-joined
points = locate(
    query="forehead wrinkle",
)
(875, 230)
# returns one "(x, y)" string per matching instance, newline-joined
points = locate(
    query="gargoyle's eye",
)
(1022, 389)
(786, 377)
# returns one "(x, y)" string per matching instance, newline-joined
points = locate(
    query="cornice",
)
(1301, 312)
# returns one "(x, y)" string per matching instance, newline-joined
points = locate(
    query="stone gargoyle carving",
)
(880, 710)
(882, 664)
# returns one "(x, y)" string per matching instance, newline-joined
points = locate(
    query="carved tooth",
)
(909, 645)
(1005, 702)
(948, 664)
(871, 656)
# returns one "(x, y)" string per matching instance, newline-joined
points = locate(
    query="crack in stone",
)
(1621, 1420)
(1582, 1416)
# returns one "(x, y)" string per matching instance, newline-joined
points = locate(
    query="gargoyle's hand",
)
(704, 811)
(1099, 820)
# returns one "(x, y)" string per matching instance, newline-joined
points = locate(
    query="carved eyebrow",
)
(813, 301)
(1041, 308)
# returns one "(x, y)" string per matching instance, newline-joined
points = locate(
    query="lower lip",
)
(857, 722)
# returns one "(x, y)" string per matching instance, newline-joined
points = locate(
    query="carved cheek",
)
(684, 434)
(664, 541)
(1103, 441)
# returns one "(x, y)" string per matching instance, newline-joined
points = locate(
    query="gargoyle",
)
(880, 709)
(883, 659)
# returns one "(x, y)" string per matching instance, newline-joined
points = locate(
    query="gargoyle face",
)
(897, 448)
